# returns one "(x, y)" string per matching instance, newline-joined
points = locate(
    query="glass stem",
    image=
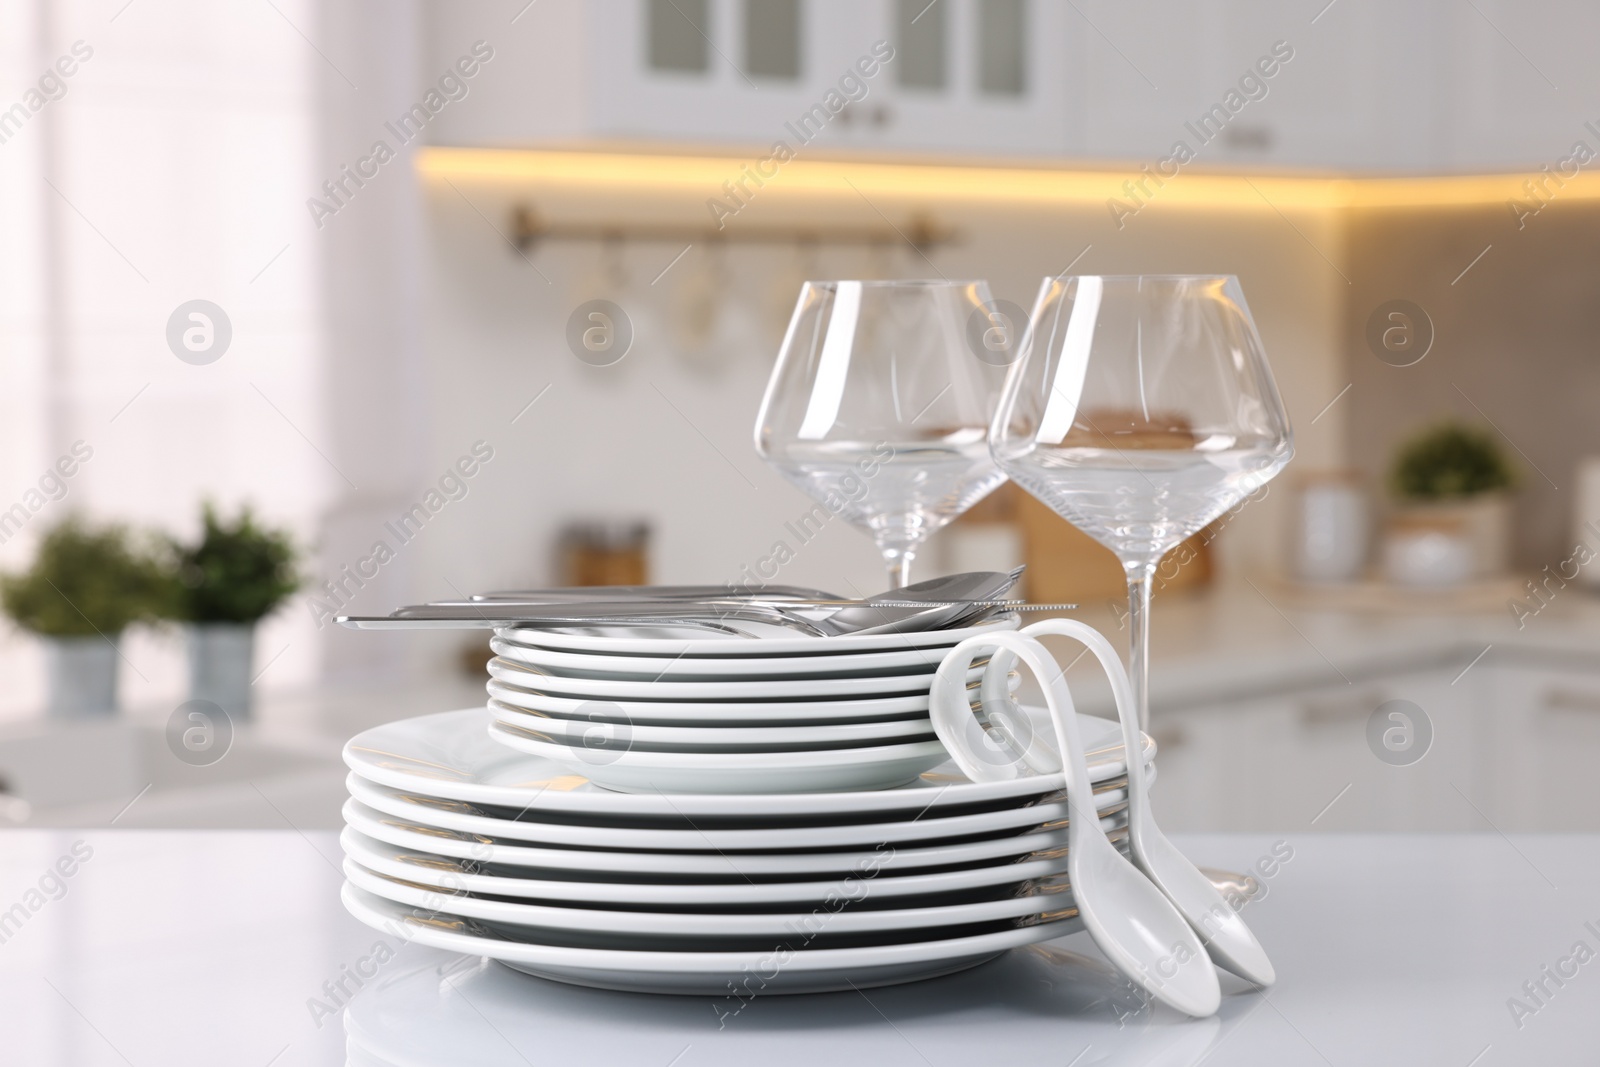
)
(899, 564)
(1139, 578)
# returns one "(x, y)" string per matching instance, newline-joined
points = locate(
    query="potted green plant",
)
(227, 581)
(1458, 474)
(87, 584)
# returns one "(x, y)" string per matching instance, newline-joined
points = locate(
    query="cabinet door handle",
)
(1571, 700)
(1341, 710)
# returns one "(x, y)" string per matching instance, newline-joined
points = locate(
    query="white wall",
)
(373, 386)
(666, 436)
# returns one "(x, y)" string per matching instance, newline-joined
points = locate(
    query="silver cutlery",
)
(939, 603)
(578, 593)
(490, 615)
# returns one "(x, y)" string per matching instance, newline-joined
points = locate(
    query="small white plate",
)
(635, 866)
(466, 819)
(606, 642)
(830, 770)
(450, 755)
(612, 735)
(716, 974)
(721, 712)
(443, 872)
(510, 666)
(712, 669)
(700, 931)
(711, 712)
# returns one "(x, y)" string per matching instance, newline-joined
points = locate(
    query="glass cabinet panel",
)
(679, 35)
(772, 38)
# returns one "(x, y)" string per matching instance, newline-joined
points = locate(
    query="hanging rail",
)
(922, 232)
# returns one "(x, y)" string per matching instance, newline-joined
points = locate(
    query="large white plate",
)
(443, 872)
(709, 669)
(622, 929)
(719, 738)
(511, 666)
(829, 770)
(450, 755)
(625, 865)
(718, 974)
(464, 818)
(607, 642)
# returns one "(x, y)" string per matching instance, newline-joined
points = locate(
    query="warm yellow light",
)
(1469, 189)
(704, 175)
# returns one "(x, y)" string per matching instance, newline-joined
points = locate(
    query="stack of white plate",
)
(457, 841)
(723, 714)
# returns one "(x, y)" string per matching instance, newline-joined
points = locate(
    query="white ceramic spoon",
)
(1132, 921)
(1012, 736)
(1226, 936)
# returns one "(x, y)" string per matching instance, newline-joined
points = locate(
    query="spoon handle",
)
(1227, 938)
(1122, 695)
(1140, 930)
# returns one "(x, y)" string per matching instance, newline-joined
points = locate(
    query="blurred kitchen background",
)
(394, 211)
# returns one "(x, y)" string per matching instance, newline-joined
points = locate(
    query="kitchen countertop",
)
(1234, 639)
(1239, 639)
(195, 947)
(1233, 642)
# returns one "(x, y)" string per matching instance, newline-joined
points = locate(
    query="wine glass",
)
(1140, 409)
(879, 406)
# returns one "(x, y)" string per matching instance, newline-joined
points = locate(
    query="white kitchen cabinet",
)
(1420, 87)
(1209, 770)
(1354, 91)
(1431, 85)
(717, 96)
(1543, 733)
(1032, 114)
(1514, 747)
(754, 72)
(1520, 88)
(1328, 748)
(1424, 86)
(1147, 69)
(1363, 92)
(1299, 759)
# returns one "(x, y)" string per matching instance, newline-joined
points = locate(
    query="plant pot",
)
(1485, 522)
(221, 655)
(1428, 552)
(83, 675)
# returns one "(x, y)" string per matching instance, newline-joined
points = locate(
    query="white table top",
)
(168, 948)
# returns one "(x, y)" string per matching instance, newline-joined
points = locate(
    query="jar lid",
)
(609, 535)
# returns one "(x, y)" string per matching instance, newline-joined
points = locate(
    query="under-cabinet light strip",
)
(617, 171)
